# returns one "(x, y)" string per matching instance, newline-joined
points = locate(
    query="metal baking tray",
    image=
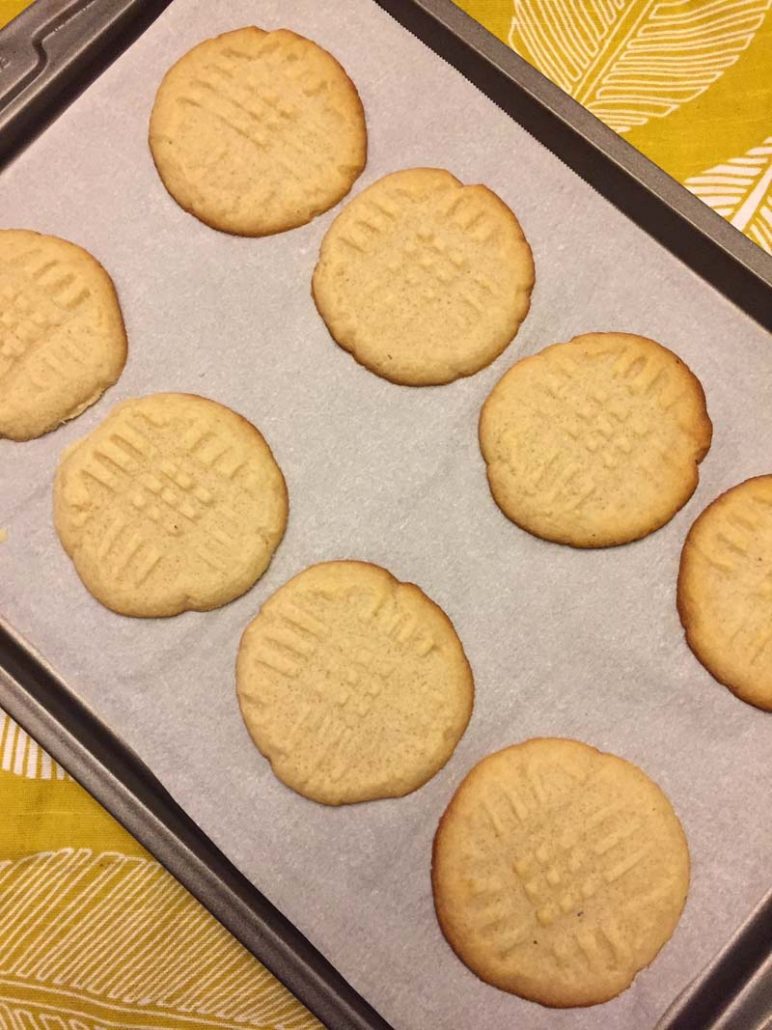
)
(47, 56)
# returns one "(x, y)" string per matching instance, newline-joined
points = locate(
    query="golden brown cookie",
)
(559, 872)
(353, 685)
(256, 132)
(424, 279)
(173, 503)
(62, 341)
(595, 442)
(725, 590)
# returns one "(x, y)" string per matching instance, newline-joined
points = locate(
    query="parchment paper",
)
(562, 642)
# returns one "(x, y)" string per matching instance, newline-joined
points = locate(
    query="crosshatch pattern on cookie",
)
(605, 420)
(169, 491)
(560, 869)
(347, 676)
(423, 257)
(284, 122)
(739, 547)
(39, 295)
(557, 866)
(585, 422)
(336, 679)
(420, 255)
(62, 340)
(421, 252)
(259, 98)
(725, 589)
(170, 495)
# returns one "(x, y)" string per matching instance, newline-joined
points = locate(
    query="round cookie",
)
(424, 279)
(558, 872)
(352, 684)
(256, 132)
(595, 442)
(173, 503)
(62, 340)
(725, 590)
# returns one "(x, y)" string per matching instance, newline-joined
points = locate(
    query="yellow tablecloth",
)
(688, 82)
(93, 932)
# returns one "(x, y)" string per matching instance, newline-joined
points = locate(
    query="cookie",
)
(256, 132)
(595, 442)
(173, 503)
(62, 340)
(423, 279)
(725, 590)
(352, 684)
(558, 872)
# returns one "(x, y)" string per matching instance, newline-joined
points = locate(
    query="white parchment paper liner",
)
(562, 642)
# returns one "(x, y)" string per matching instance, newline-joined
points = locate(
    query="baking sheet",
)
(562, 642)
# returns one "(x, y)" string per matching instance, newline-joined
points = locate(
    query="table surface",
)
(709, 130)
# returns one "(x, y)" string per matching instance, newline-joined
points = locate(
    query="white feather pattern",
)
(21, 755)
(91, 940)
(629, 61)
(740, 189)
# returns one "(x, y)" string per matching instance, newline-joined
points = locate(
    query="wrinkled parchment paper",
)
(562, 642)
